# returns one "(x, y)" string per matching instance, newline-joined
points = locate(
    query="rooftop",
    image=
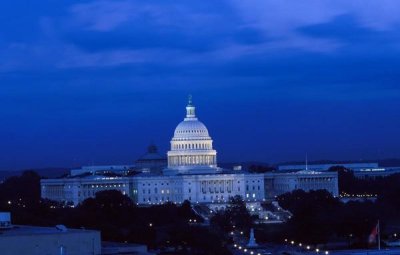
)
(23, 230)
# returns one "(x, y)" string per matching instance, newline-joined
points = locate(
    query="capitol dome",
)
(188, 129)
(191, 145)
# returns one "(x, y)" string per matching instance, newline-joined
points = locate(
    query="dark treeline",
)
(317, 216)
(234, 217)
(381, 186)
(320, 218)
(261, 168)
(115, 215)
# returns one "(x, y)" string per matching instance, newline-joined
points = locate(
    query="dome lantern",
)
(190, 109)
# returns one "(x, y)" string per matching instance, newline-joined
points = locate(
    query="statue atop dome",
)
(190, 109)
(190, 100)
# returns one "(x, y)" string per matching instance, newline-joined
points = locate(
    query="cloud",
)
(284, 19)
(115, 33)
(102, 15)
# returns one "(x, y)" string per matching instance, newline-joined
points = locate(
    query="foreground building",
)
(191, 174)
(34, 240)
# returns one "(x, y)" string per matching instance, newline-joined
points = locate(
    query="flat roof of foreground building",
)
(23, 230)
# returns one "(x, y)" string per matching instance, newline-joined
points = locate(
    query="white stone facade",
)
(279, 183)
(75, 190)
(192, 174)
(197, 188)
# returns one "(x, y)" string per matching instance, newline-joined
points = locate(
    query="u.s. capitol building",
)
(191, 174)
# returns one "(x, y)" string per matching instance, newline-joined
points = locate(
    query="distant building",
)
(97, 170)
(325, 167)
(372, 173)
(280, 183)
(360, 170)
(151, 161)
(191, 174)
(75, 190)
(49, 240)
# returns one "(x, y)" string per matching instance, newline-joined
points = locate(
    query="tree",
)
(315, 214)
(236, 214)
(107, 200)
(346, 179)
(21, 191)
(261, 169)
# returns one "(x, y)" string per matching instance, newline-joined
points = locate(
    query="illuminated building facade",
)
(192, 174)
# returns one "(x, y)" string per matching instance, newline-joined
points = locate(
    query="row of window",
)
(193, 131)
(156, 184)
(254, 187)
(190, 160)
(194, 146)
(108, 186)
(156, 191)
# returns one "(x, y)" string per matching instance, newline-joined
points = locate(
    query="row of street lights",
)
(245, 250)
(307, 247)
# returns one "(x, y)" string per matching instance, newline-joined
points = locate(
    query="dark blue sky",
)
(97, 81)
